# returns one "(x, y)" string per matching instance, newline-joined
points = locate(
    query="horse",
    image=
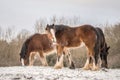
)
(103, 47)
(37, 44)
(68, 37)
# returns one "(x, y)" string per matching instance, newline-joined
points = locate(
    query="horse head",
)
(23, 54)
(104, 57)
(24, 60)
(50, 30)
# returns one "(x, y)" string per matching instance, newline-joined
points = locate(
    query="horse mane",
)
(60, 27)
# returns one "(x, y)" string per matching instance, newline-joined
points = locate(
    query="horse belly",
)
(82, 44)
(50, 50)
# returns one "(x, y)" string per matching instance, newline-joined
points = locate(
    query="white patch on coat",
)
(60, 62)
(82, 44)
(87, 62)
(53, 34)
(22, 61)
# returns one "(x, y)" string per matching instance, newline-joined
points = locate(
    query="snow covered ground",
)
(48, 73)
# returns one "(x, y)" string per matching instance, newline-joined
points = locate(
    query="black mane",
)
(60, 27)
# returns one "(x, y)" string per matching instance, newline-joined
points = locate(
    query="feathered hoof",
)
(57, 67)
(86, 68)
(95, 68)
(45, 65)
(30, 65)
(72, 66)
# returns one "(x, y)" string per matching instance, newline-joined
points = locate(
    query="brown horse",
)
(37, 44)
(70, 37)
(103, 47)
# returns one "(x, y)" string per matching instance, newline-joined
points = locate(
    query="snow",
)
(49, 73)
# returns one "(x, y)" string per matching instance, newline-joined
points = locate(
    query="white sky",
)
(24, 13)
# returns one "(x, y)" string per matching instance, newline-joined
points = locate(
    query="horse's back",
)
(87, 33)
(40, 42)
(87, 29)
(73, 36)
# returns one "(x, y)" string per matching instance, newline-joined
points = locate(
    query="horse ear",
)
(53, 26)
(47, 24)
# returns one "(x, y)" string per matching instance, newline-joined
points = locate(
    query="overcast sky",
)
(24, 13)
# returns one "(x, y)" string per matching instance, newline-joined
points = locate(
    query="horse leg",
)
(101, 57)
(86, 66)
(90, 63)
(22, 61)
(60, 55)
(31, 58)
(100, 60)
(95, 65)
(95, 58)
(72, 66)
(43, 59)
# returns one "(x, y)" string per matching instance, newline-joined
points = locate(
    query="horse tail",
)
(24, 48)
(102, 38)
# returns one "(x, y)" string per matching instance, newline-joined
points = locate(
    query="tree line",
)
(10, 44)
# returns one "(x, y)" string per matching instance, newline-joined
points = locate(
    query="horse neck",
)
(60, 27)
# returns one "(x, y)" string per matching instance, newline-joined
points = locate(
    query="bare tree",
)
(65, 20)
(8, 34)
(53, 20)
(112, 35)
(40, 25)
(23, 35)
(0, 33)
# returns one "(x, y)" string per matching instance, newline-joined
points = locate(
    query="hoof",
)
(30, 65)
(72, 67)
(86, 68)
(57, 67)
(90, 66)
(45, 65)
(95, 69)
